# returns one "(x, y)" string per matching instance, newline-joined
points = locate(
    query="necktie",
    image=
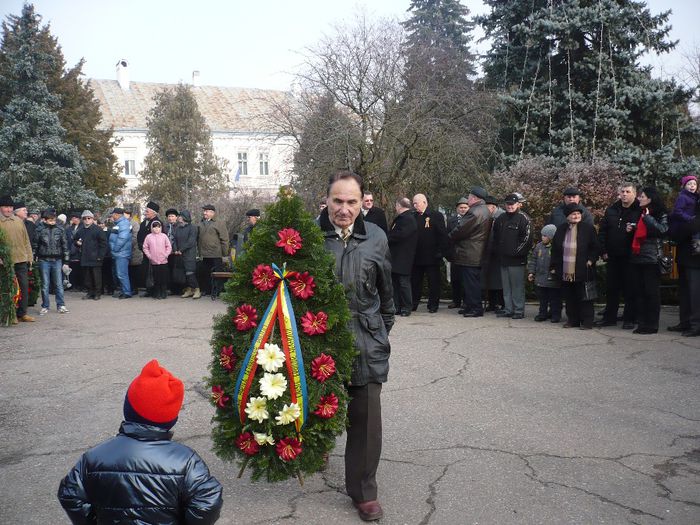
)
(345, 235)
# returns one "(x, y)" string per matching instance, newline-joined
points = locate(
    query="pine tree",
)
(318, 304)
(37, 163)
(8, 283)
(181, 166)
(79, 112)
(572, 87)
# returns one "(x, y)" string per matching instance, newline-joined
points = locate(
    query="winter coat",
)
(94, 245)
(613, 237)
(120, 238)
(471, 235)
(31, 230)
(683, 209)
(512, 238)
(17, 238)
(402, 240)
(50, 243)
(141, 477)
(157, 247)
(587, 249)
(212, 239)
(538, 265)
(684, 240)
(136, 253)
(432, 242)
(169, 230)
(186, 239)
(73, 249)
(377, 216)
(363, 267)
(558, 217)
(657, 227)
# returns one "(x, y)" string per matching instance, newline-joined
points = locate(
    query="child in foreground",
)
(141, 476)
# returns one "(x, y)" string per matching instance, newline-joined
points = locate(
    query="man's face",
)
(574, 217)
(344, 202)
(172, 218)
(51, 221)
(252, 220)
(150, 213)
(7, 211)
(208, 214)
(572, 199)
(75, 220)
(462, 209)
(512, 207)
(34, 217)
(21, 213)
(116, 216)
(472, 199)
(367, 201)
(492, 208)
(420, 203)
(627, 195)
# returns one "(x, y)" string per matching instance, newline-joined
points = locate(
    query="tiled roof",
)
(224, 108)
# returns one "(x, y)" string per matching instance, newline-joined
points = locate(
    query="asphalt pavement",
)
(486, 421)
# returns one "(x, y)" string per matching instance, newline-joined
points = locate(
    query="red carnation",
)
(226, 357)
(246, 317)
(288, 448)
(302, 285)
(322, 367)
(314, 324)
(290, 240)
(327, 407)
(264, 277)
(247, 444)
(218, 396)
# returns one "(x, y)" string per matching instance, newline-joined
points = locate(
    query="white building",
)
(258, 158)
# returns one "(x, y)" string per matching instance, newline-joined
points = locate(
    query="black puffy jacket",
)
(141, 477)
(50, 243)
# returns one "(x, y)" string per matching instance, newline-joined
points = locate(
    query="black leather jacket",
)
(141, 477)
(50, 243)
(364, 270)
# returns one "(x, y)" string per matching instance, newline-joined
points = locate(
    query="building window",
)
(130, 163)
(264, 164)
(243, 163)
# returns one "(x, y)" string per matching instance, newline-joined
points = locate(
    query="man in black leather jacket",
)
(141, 476)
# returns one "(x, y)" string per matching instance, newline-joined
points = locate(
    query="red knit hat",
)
(155, 395)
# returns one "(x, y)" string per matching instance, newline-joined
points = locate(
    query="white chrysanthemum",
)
(270, 357)
(257, 409)
(263, 439)
(288, 414)
(273, 386)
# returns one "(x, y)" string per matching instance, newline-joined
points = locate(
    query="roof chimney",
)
(195, 78)
(123, 74)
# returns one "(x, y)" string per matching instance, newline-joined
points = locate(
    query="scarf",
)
(569, 257)
(640, 235)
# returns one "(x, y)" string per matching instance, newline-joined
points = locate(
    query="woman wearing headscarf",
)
(644, 265)
(574, 252)
(186, 242)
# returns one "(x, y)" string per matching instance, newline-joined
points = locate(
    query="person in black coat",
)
(453, 221)
(151, 213)
(141, 475)
(575, 250)
(92, 245)
(186, 241)
(688, 277)
(615, 239)
(431, 246)
(402, 245)
(373, 214)
(649, 231)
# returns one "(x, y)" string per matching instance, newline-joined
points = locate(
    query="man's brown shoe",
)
(369, 510)
(27, 319)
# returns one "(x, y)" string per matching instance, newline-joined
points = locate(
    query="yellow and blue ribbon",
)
(280, 308)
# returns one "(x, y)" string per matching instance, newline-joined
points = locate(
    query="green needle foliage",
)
(318, 434)
(7, 283)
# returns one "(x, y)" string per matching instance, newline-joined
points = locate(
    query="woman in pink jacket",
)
(157, 247)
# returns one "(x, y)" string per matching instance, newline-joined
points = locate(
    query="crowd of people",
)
(492, 252)
(116, 255)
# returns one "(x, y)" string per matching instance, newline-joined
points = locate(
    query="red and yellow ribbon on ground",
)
(280, 309)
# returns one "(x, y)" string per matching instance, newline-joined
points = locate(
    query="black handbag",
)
(665, 261)
(590, 288)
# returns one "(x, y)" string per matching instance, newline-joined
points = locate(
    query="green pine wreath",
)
(274, 447)
(8, 283)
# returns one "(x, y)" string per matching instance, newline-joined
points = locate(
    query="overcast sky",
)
(243, 43)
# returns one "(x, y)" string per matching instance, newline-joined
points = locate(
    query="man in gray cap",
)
(212, 244)
(470, 241)
(572, 195)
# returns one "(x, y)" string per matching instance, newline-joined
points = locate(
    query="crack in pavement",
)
(432, 493)
(675, 414)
